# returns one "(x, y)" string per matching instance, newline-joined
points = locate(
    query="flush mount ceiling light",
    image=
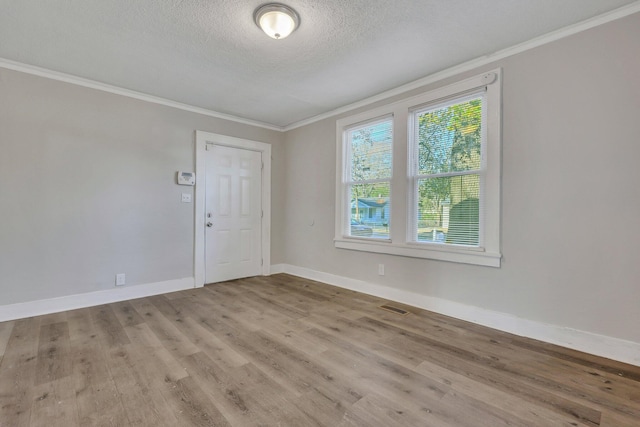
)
(276, 20)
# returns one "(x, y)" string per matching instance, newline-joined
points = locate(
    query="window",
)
(443, 173)
(446, 172)
(367, 176)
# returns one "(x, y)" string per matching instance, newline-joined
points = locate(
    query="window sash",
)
(347, 176)
(415, 177)
(348, 181)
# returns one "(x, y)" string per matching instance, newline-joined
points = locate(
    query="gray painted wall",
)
(571, 193)
(87, 188)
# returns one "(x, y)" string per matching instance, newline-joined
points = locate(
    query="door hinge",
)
(261, 165)
(261, 214)
(261, 262)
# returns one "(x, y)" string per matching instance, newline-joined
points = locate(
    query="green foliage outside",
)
(449, 141)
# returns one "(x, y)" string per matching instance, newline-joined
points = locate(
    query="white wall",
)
(87, 188)
(571, 193)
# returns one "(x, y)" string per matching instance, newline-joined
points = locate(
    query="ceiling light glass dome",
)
(276, 20)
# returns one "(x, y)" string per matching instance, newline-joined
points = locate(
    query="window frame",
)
(413, 167)
(403, 192)
(343, 216)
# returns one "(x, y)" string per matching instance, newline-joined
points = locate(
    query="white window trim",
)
(400, 215)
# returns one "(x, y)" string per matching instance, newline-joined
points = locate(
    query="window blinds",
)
(449, 139)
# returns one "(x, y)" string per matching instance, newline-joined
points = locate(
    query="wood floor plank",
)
(17, 373)
(446, 352)
(286, 351)
(126, 314)
(376, 410)
(213, 346)
(142, 403)
(53, 353)
(54, 404)
(196, 410)
(144, 341)
(484, 371)
(81, 326)
(220, 387)
(244, 395)
(495, 397)
(275, 304)
(421, 393)
(264, 317)
(265, 398)
(310, 288)
(247, 316)
(5, 333)
(588, 360)
(197, 334)
(108, 327)
(97, 398)
(254, 312)
(168, 334)
(612, 419)
(587, 389)
(53, 318)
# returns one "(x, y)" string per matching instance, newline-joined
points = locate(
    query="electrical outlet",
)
(121, 279)
(186, 198)
(380, 269)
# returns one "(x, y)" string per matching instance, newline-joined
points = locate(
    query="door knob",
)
(209, 224)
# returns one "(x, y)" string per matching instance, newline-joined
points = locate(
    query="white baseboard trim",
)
(588, 342)
(277, 268)
(90, 299)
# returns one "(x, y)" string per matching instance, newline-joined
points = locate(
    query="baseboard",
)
(588, 342)
(90, 299)
(277, 268)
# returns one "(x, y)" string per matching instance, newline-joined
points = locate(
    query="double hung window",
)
(421, 177)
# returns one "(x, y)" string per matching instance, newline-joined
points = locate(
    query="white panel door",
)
(233, 209)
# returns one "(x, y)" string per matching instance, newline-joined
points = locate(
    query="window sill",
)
(426, 251)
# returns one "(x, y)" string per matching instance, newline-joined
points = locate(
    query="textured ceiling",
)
(210, 54)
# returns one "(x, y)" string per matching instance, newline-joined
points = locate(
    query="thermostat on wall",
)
(186, 178)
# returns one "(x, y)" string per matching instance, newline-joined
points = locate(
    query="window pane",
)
(449, 210)
(370, 210)
(450, 138)
(371, 151)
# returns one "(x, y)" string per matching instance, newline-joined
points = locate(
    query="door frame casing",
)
(203, 138)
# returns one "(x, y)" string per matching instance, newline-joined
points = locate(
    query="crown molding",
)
(432, 78)
(81, 81)
(613, 15)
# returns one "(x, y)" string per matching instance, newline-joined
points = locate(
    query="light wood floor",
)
(283, 351)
